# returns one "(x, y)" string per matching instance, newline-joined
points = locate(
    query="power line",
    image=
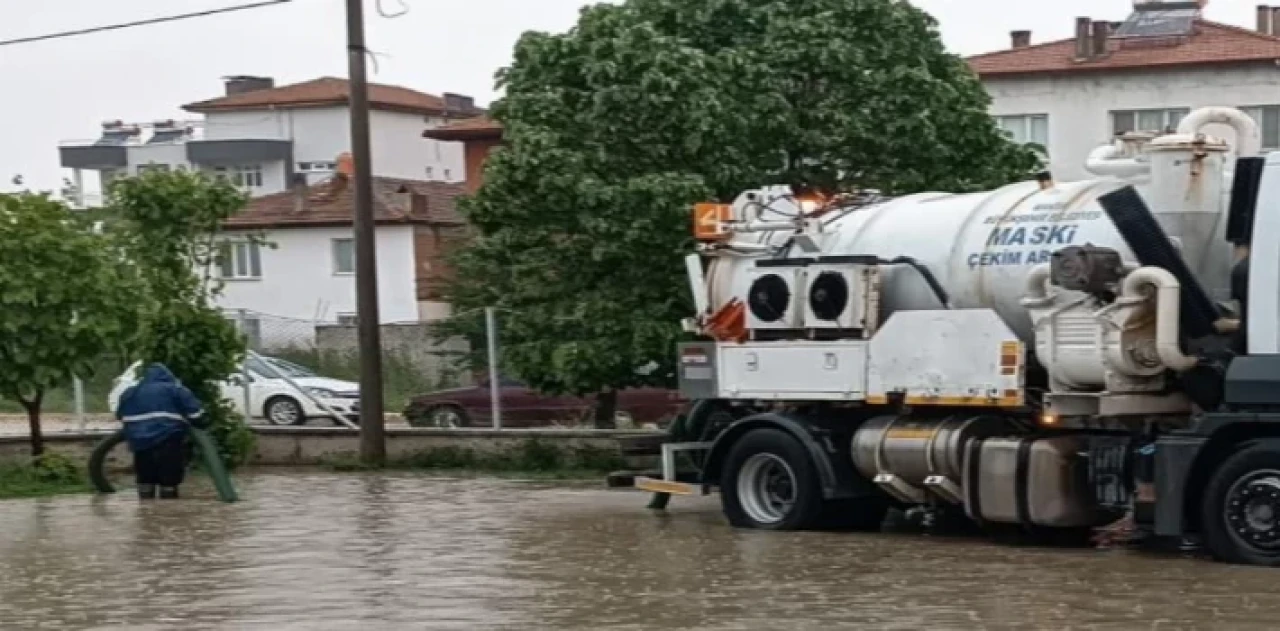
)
(159, 20)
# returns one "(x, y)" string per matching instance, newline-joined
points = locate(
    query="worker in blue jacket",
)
(155, 413)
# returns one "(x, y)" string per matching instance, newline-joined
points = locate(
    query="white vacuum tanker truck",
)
(1047, 356)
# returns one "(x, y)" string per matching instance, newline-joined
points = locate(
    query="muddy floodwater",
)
(316, 551)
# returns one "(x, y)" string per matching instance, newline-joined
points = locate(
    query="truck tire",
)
(1240, 512)
(768, 482)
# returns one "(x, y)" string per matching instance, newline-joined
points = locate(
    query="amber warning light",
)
(709, 221)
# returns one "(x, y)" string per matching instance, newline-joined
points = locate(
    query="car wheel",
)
(447, 417)
(284, 411)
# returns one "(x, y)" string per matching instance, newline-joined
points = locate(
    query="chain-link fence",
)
(414, 361)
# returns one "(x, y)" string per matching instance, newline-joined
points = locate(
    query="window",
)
(1268, 119)
(317, 167)
(448, 175)
(1026, 128)
(247, 176)
(1157, 120)
(344, 256)
(240, 260)
(431, 172)
(145, 168)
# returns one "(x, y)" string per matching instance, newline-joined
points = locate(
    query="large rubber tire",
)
(284, 411)
(763, 470)
(1248, 478)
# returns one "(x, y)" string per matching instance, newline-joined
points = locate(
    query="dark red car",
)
(522, 407)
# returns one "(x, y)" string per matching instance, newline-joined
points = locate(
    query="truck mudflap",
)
(1175, 456)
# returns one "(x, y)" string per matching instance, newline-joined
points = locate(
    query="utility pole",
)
(373, 446)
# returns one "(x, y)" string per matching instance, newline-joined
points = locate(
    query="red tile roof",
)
(328, 91)
(476, 128)
(332, 203)
(1212, 43)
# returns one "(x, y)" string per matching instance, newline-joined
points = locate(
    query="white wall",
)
(320, 134)
(298, 281)
(1079, 105)
(399, 150)
(174, 155)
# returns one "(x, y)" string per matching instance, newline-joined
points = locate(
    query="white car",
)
(273, 397)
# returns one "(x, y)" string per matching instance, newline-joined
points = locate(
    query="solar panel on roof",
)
(1168, 21)
(167, 135)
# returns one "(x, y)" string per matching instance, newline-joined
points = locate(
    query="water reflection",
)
(319, 551)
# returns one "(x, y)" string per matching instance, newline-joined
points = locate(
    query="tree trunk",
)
(33, 420)
(606, 410)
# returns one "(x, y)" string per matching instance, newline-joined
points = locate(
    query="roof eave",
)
(1090, 69)
(278, 224)
(463, 135)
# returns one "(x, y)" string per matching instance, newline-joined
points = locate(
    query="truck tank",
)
(981, 246)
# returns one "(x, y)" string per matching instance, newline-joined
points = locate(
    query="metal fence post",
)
(491, 337)
(77, 388)
(244, 368)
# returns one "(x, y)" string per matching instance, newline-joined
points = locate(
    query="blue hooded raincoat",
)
(156, 408)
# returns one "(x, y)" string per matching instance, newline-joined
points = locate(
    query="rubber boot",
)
(146, 491)
(168, 492)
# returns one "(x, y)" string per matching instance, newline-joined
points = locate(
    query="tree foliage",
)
(68, 296)
(615, 128)
(171, 220)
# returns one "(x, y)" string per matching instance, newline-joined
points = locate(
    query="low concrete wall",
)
(294, 446)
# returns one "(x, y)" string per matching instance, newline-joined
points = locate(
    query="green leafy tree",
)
(615, 128)
(68, 296)
(171, 221)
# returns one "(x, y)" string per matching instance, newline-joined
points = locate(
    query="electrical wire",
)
(159, 20)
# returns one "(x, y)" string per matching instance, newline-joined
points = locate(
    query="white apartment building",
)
(1144, 74)
(261, 136)
(304, 274)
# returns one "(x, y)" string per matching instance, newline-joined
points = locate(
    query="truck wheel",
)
(769, 483)
(1240, 513)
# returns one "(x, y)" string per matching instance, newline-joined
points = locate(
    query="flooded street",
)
(322, 551)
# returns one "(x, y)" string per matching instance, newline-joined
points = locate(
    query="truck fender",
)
(834, 484)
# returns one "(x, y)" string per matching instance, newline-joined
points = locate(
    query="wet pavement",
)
(320, 551)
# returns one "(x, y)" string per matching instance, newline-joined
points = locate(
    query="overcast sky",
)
(63, 89)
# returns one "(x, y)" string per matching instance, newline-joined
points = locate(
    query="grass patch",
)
(530, 459)
(50, 474)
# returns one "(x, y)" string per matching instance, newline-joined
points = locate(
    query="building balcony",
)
(88, 154)
(236, 151)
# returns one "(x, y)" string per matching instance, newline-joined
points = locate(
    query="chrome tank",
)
(981, 246)
(915, 449)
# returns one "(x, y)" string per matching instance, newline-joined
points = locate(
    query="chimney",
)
(1021, 39)
(1275, 22)
(299, 187)
(241, 84)
(459, 103)
(1264, 19)
(1083, 46)
(418, 204)
(1101, 31)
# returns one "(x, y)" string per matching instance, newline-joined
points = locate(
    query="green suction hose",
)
(204, 444)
